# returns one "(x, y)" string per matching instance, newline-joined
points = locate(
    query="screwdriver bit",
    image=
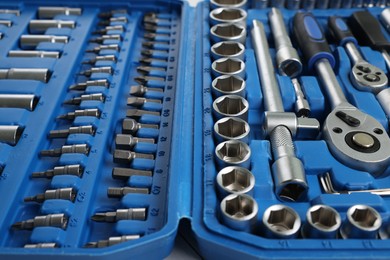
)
(72, 169)
(75, 148)
(106, 29)
(127, 142)
(149, 60)
(111, 241)
(144, 79)
(140, 101)
(114, 192)
(109, 14)
(101, 39)
(89, 72)
(82, 112)
(148, 69)
(62, 194)
(120, 19)
(90, 97)
(151, 44)
(100, 58)
(51, 220)
(125, 173)
(41, 245)
(63, 133)
(131, 126)
(150, 52)
(140, 90)
(112, 47)
(152, 36)
(89, 83)
(123, 156)
(139, 113)
(120, 214)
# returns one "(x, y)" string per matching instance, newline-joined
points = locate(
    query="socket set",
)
(266, 123)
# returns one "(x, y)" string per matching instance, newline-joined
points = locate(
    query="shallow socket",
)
(233, 152)
(231, 128)
(235, 180)
(228, 85)
(228, 49)
(322, 222)
(362, 222)
(231, 106)
(228, 32)
(227, 3)
(228, 66)
(228, 15)
(281, 221)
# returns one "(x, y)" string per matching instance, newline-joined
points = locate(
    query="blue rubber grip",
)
(340, 31)
(311, 40)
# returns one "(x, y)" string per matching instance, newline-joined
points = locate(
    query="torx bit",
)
(75, 148)
(72, 169)
(120, 19)
(64, 133)
(125, 173)
(51, 220)
(89, 83)
(111, 241)
(82, 112)
(109, 14)
(89, 72)
(100, 58)
(41, 245)
(140, 90)
(139, 113)
(131, 126)
(10, 11)
(120, 214)
(90, 97)
(124, 156)
(148, 69)
(127, 142)
(7, 23)
(62, 194)
(113, 47)
(106, 29)
(119, 192)
(139, 101)
(144, 79)
(101, 39)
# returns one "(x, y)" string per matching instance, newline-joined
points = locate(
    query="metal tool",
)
(7, 23)
(28, 41)
(109, 21)
(75, 148)
(89, 83)
(228, 49)
(64, 133)
(228, 15)
(73, 169)
(41, 245)
(239, 212)
(227, 3)
(110, 47)
(228, 32)
(61, 194)
(141, 90)
(34, 54)
(148, 69)
(138, 113)
(111, 13)
(94, 112)
(228, 85)
(233, 152)
(40, 26)
(89, 97)
(346, 4)
(162, 62)
(127, 142)
(140, 101)
(42, 75)
(158, 45)
(101, 39)
(153, 36)
(131, 126)
(89, 72)
(24, 101)
(356, 139)
(228, 66)
(362, 222)
(108, 29)
(125, 173)
(236, 180)
(143, 80)
(120, 214)
(322, 221)
(10, 134)
(231, 106)
(10, 11)
(161, 54)
(119, 192)
(100, 58)
(49, 12)
(111, 241)
(288, 171)
(281, 221)
(231, 128)
(124, 156)
(51, 220)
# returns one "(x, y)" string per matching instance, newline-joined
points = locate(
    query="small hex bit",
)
(106, 29)
(124, 156)
(90, 97)
(75, 148)
(127, 142)
(7, 23)
(101, 39)
(109, 14)
(140, 90)
(89, 72)
(120, 214)
(125, 173)
(139, 113)
(89, 83)
(148, 69)
(100, 58)
(140, 101)
(120, 19)
(112, 47)
(64, 133)
(62, 194)
(41, 245)
(111, 241)
(51, 220)
(10, 11)
(72, 169)
(131, 126)
(145, 79)
(119, 192)
(82, 112)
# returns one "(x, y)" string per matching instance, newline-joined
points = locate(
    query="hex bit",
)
(152, 36)
(131, 126)
(120, 19)
(82, 112)
(89, 72)
(89, 83)
(62, 194)
(41, 245)
(72, 169)
(101, 39)
(112, 47)
(34, 54)
(127, 142)
(75, 148)
(119, 192)
(140, 101)
(51, 220)
(111, 241)
(64, 133)
(120, 214)
(49, 12)
(100, 58)
(139, 113)
(24, 101)
(140, 90)
(109, 14)
(125, 173)
(107, 29)
(90, 97)
(123, 156)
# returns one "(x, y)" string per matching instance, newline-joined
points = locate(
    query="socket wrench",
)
(228, 85)
(10, 134)
(228, 49)
(231, 128)
(231, 106)
(49, 12)
(42, 75)
(235, 180)
(281, 221)
(234, 153)
(24, 101)
(40, 26)
(228, 3)
(228, 15)
(321, 222)
(228, 66)
(32, 41)
(228, 32)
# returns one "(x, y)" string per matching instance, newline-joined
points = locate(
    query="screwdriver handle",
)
(340, 31)
(311, 39)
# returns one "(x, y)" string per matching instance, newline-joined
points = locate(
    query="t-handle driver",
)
(355, 138)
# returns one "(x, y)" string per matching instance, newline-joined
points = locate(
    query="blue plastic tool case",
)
(183, 180)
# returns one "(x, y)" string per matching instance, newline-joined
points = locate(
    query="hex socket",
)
(10, 134)
(228, 49)
(239, 212)
(231, 128)
(228, 66)
(235, 180)
(281, 221)
(228, 32)
(40, 26)
(321, 222)
(362, 222)
(228, 85)
(18, 101)
(234, 153)
(31, 41)
(231, 106)
(228, 15)
(228, 3)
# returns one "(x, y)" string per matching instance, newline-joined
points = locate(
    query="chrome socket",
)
(228, 15)
(231, 106)
(228, 85)
(228, 32)
(235, 180)
(34, 54)
(281, 221)
(321, 222)
(228, 49)
(231, 128)
(234, 153)
(228, 3)
(239, 212)
(228, 66)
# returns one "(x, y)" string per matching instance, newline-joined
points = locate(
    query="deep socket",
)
(234, 153)
(40, 26)
(228, 85)
(231, 106)
(42, 75)
(228, 15)
(34, 54)
(228, 49)
(228, 32)
(228, 3)
(231, 128)
(51, 220)
(321, 222)
(24, 101)
(10, 134)
(32, 41)
(235, 180)
(49, 12)
(281, 221)
(228, 66)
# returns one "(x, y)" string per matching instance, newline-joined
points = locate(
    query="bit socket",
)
(120, 214)
(49, 12)
(127, 142)
(10, 134)
(124, 156)
(130, 126)
(140, 90)
(34, 54)
(75, 148)
(83, 112)
(73, 169)
(42, 75)
(125, 173)
(101, 39)
(41, 245)
(64, 133)
(115, 192)
(90, 97)
(89, 83)
(7, 23)
(139, 113)
(111, 47)
(101, 58)
(32, 41)
(139, 101)
(107, 29)
(62, 194)
(40, 26)
(24, 101)
(281, 221)
(111, 241)
(89, 72)
(51, 220)
(147, 69)
(143, 80)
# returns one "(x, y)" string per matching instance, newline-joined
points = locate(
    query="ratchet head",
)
(367, 77)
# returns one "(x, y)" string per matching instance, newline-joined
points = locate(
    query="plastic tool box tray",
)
(117, 136)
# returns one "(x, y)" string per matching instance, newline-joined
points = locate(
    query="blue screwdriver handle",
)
(340, 31)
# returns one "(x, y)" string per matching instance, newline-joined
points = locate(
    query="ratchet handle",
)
(311, 40)
(340, 31)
